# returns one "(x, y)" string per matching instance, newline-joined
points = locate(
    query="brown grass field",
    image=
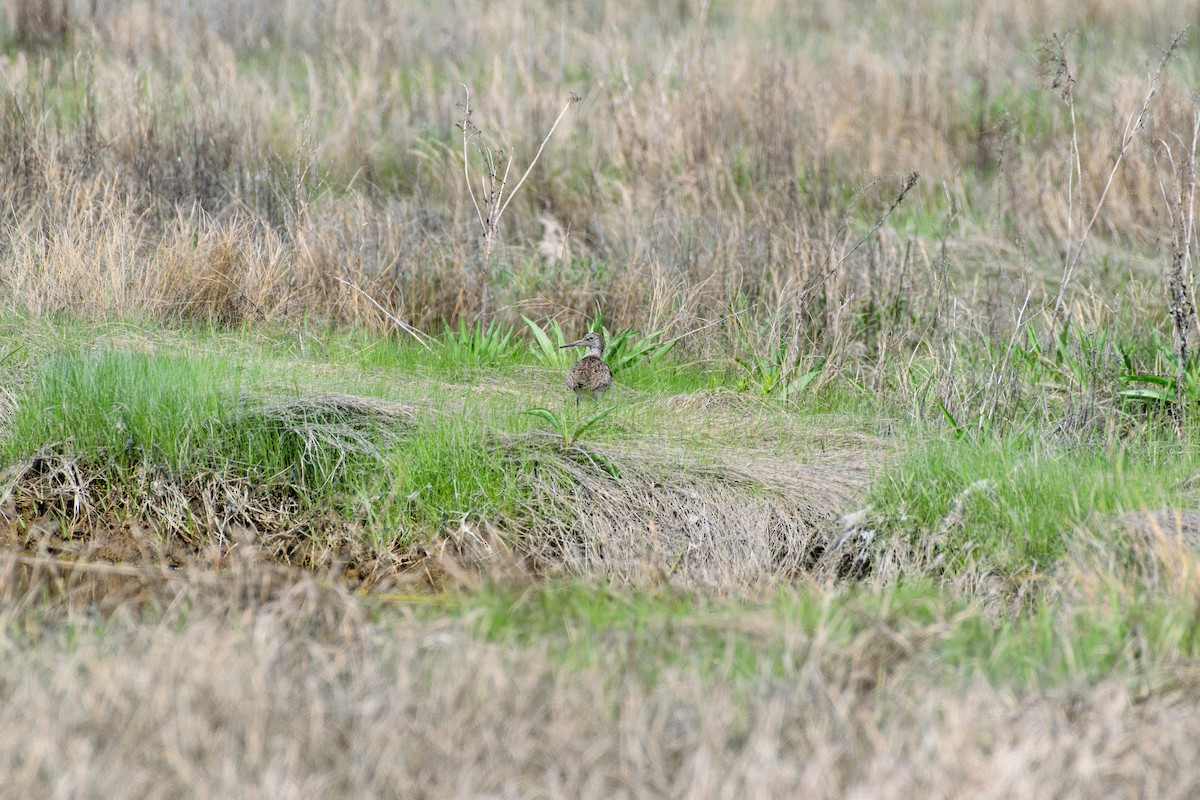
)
(910, 506)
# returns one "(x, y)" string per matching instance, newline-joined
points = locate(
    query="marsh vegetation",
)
(895, 492)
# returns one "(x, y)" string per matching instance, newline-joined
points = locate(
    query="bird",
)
(589, 377)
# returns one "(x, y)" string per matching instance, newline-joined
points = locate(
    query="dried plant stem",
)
(536, 155)
(1074, 176)
(910, 181)
(1180, 201)
(1132, 125)
(423, 339)
(495, 201)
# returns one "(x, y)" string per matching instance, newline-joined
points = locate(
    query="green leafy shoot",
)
(561, 424)
(959, 431)
(629, 346)
(492, 344)
(548, 342)
(621, 349)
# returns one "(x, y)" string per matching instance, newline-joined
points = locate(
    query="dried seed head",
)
(1055, 69)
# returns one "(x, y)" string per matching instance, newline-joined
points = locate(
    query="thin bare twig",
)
(421, 338)
(570, 102)
(466, 126)
(910, 180)
(1132, 125)
(492, 188)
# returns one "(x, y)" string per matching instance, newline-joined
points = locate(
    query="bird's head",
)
(593, 341)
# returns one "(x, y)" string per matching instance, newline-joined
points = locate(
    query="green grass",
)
(191, 402)
(1010, 502)
(1051, 646)
(192, 415)
(1054, 647)
(446, 472)
(127, 414)
(188, 400)
(129, 407)
(175, 404)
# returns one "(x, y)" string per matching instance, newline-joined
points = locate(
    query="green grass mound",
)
(206, 452)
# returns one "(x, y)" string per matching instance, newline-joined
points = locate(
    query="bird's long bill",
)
(580, 343)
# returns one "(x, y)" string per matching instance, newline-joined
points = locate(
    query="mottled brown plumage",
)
(589, 377)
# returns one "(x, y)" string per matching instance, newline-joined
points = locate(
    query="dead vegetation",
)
(283, 685)
(198, 631)
(719, 177)
(1156, 552)
(728, 522)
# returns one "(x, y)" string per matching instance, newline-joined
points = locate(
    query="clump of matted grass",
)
(1134, 557)
(104, 441)
(636, 514)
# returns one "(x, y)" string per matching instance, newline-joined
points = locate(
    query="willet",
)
(590, 376)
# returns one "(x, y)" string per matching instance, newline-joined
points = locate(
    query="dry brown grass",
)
(1143, 553)
(247, 162)
(260, 686)
(230, 161)
(731, 521)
